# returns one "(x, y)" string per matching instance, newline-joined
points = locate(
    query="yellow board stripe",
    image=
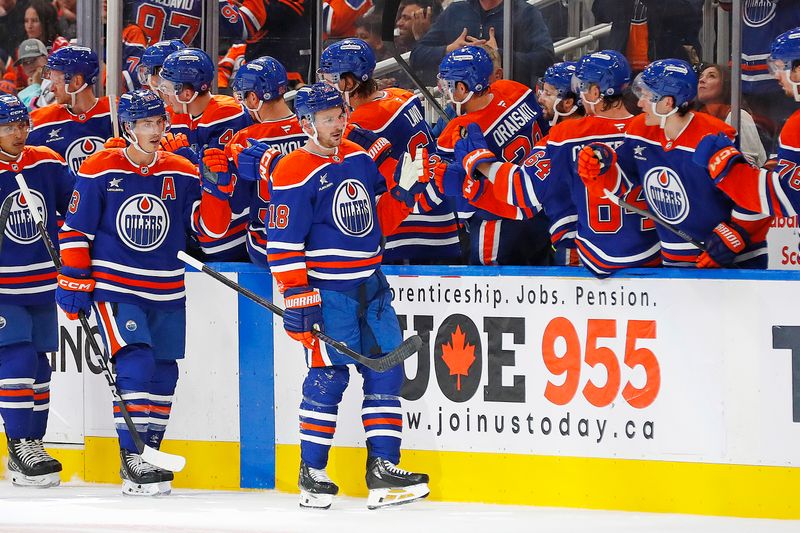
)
(645, 486)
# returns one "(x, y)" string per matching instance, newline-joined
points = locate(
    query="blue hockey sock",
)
(162, 389)
(17, 374)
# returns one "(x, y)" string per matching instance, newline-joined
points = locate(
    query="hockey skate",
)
(140, 478)
(31, 466)
(389, 485)
(316, 488)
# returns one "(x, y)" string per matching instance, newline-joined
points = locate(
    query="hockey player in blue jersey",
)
(78, 123)
(325, 250)
(657, 154)
(209, 122)
(28, 320)
(147, 72)
(431, 233)
(129, 215)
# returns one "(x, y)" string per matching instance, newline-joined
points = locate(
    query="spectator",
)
(469, 23)
(32, 58)
(645, 30)
(714, 98)
(368, 29)
(414, 19)
(67, 20)
(41, 22)
(12, 17)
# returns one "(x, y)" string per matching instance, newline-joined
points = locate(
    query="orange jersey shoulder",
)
(34, 154)
(104, 160)
(48, 114)
(589, 126)
(376, 114)
(790, 134)
(272, 129)
(220, 108)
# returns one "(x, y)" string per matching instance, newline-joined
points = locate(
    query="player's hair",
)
(365, 88)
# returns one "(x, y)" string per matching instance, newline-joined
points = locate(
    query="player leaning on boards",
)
(657, 154)
(324, 248)
(28, 319)
(130, 213)
(776, 193)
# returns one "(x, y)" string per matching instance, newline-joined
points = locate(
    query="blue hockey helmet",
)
(154, 56)
(784, 55)
(139, 104)
(312, 99)
(12, 110)
(667, 77)
(72, 60)
(560, 76)
(265, 77)
(348, 55)
(470, 65)
(190, 66)
(607, 69)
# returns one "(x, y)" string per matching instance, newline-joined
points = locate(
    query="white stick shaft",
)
(191, 261)
(26, 192)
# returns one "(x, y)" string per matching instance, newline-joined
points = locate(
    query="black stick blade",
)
(407, 348)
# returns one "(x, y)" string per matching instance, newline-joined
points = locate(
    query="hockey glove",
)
(179, 145)
(257, 160)
(215, 177)
(726, 241)
(74, 291)
(410, 177)
(471, 149)
(303, 314)
(566, 253)
(717, 154)
(473, 187)
(378, 148)
(594, 162)
(449, 178)
(115, 142)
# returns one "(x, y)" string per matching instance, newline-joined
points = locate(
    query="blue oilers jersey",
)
(327, 229)
(762, 21)
(162, 20)
(132, 221)
(284, 135)
(27, 274)
(215, 128)
(608, 237)
(682, 193)
(431, 231)
(73, 137)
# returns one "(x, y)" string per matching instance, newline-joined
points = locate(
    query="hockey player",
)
(607, 237)
(657, 155)
(259, 86)
(79, 123)
(512, 122)
(759, 190)
(130, 213)
(27, 287)
(325, 251)
(153, 59)
(208, 121)
(430, 234)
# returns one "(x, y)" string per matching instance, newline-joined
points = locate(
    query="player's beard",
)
(332, 140)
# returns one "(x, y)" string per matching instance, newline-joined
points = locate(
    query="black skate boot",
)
(389, 485)
(54, 463)
(139, 478)
(31, 466)
(316, 488)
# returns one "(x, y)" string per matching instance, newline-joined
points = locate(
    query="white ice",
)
(84, 508)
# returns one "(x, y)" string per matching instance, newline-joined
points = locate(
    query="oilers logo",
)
(759, 12)
(143, 222)
(79, 150)
(20, 226)
(352, 208)
(665, 194)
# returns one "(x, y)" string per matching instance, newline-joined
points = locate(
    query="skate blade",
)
(129, 488)
(396, 496)
(165, 488)
(40, 482)
(309, 500)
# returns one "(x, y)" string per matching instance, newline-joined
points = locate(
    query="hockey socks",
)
(18, 364)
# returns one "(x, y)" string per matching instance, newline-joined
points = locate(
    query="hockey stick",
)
(5, 210)
(380, 364)
(658, 220)
(167, 461)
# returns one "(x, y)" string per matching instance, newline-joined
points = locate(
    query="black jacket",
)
(533, 47)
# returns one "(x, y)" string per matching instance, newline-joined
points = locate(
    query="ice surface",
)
(86, 508)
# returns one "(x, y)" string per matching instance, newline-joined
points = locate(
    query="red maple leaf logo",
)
(458, 355)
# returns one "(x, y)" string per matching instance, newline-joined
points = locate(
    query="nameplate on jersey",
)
(143, 222)
(666, 194)
(20, 226)
(352, 208)
(80, 150)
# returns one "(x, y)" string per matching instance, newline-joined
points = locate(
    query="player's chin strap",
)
(73, 94)
(253, 112)
(662, 117)
(557, 115)
(11, 157)
(795, 86)
(591, 103)
(460, 103)
(186, 103)
(133, 139)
